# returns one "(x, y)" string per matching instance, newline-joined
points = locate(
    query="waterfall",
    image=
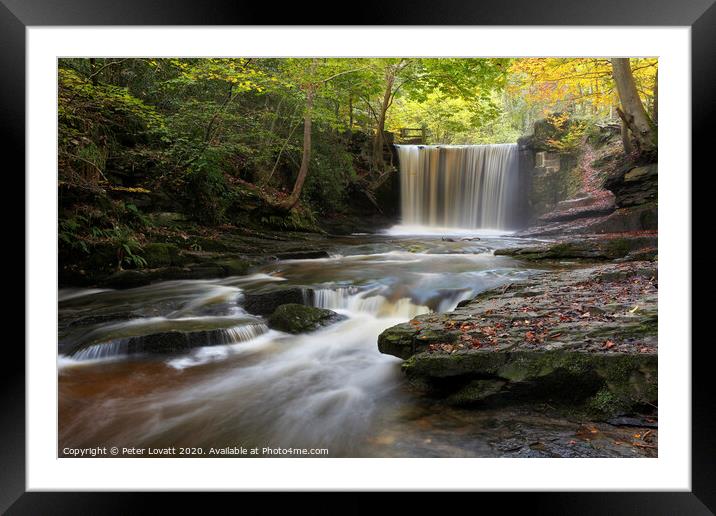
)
(105, 350)
(368, 301)
(459, 186)
(217, 337)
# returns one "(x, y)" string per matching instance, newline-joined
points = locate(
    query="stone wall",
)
(594, 189)
(547, 176)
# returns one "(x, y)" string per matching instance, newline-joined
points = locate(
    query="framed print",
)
(442, 257)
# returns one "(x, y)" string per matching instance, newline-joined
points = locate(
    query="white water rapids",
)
(255, 386)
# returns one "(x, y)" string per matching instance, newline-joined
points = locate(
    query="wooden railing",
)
(413, 135)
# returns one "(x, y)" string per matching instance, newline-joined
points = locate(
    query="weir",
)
(459, 186)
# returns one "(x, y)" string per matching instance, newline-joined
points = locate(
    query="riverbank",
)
(584, 338)
(176, 249)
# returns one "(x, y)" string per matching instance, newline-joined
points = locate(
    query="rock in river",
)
(302, 255)
(295, 318)
(158, 335)
(586, 335)
(177, 341)
(265, 302)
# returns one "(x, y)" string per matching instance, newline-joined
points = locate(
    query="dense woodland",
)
(291, 144)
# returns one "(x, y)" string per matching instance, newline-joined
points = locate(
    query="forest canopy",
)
(301, 138)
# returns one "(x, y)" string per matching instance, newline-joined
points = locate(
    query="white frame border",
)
(671, 471)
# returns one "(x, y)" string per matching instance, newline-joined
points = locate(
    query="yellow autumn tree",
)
(582, 86)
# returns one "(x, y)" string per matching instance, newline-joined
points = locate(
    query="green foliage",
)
(604, 402)
(331, 172)
(92, 120)
(135, 217)
(195, 129)
(108, 236)
(128, 247)
(453, 120)
(206, 190)
(81, 103)
(77, 234)
(570, 133)
(69, 233)
(457, 100)
(295, 220)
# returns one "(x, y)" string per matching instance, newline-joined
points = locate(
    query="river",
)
(257, 387)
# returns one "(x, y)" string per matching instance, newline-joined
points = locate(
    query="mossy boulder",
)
(295, 318)
(235, 266)
(166, 218)
(608, 383)
(405, 340)
(160, 255)
(171, 341)
(181, 341)
(398, 341)
(127, 279)
(446, 365)
(132, 278)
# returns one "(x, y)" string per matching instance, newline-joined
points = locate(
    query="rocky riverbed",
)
(513, 348)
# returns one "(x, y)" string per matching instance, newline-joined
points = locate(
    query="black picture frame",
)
(700, 15)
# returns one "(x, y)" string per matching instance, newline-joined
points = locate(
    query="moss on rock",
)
(160, 255)
(555, 336)
(475, 391)
(398, 341)
(235, 266)
(601, 248)
(295, 318)
(443, 365)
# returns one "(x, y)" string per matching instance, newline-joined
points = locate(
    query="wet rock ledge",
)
(618, 247)
(587, 337)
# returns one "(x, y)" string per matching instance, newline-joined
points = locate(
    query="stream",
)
(328, 389)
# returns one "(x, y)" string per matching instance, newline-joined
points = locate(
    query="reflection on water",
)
(259, 387)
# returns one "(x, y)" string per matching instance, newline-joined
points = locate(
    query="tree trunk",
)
(350, 113)
(93, 71)
(292, 199)
(626, 139)
(378, 142)
(632, 111)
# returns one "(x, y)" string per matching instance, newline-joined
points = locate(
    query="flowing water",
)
(255, 386)
(462, 186)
